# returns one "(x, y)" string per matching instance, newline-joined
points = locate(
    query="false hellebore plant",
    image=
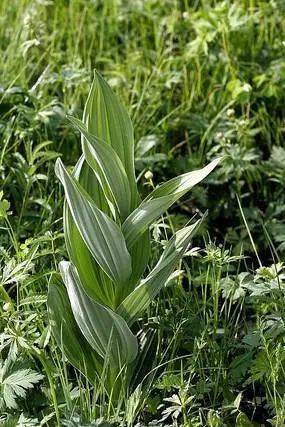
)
(106, 227)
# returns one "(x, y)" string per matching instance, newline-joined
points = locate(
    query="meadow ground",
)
(200, 79)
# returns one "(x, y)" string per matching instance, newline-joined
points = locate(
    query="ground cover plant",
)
(200, 80)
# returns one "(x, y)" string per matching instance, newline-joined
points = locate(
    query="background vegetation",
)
(200, 78)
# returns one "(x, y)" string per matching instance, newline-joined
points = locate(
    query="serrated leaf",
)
(16, 385)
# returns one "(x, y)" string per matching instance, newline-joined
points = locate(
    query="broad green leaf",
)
(107, 332)
(95, 281)
(88, 181)
(140, 253)
(146, 359)
(102, 236)
(68, 335)
(138, 300)
(106, 118)
(108, 169)
(160, 200)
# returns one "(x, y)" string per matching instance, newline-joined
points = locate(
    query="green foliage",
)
(200, 79)
(14, 384)
(114, 230)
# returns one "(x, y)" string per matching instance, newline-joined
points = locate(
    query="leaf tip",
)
(58, 166)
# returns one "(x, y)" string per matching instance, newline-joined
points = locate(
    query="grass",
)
(200, 79)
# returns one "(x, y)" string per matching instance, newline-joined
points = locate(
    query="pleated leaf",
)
(160, 200)
(106, 118)
(138, 300)
(140, 253)
(106, 332)
(105, 293)
(95, 281)
(108, 169)
(101, 235)
(68, 335)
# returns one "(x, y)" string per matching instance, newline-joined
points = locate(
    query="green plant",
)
(107, 238)
(201, 79)
(15, 383)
